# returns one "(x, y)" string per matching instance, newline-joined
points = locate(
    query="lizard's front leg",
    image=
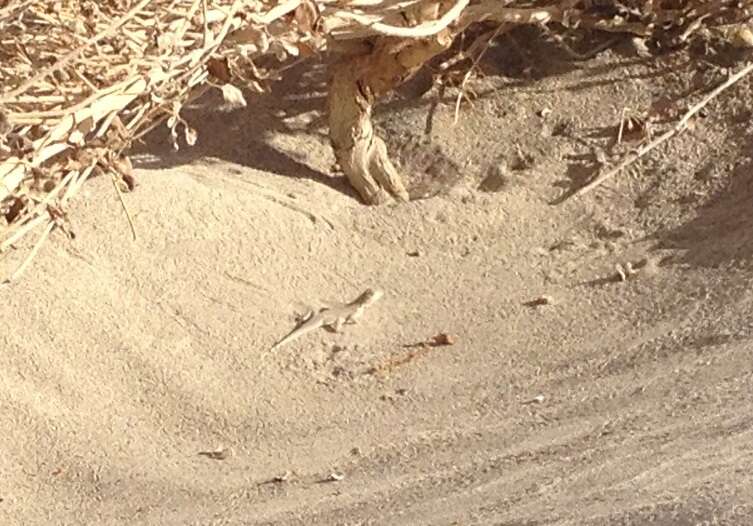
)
(337, 326)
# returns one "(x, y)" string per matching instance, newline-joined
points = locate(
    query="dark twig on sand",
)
(678, 128)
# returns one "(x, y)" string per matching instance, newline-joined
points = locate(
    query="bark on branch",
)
(355, 84)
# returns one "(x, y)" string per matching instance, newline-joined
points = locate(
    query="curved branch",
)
(421, 31)
(355, 83)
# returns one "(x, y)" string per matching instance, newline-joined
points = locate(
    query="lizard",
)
(333, 317)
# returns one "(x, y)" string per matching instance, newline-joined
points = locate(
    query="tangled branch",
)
(81, 80)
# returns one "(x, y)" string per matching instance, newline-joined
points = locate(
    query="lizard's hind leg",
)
(337, 325)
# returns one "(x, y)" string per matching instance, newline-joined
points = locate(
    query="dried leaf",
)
(165, 43)
(5, 126)
(290, 46)
(305, 49)
(233, 96)
(258, 88)
(191, 135)
(122, 165)
(78, 135)
(306, 16)
(174, 138)
(283, 48)
(17, 206)
(248, 35)
(742, 37)
(220, 69)
(76, 138)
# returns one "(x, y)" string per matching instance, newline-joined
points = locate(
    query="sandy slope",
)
(621, 403)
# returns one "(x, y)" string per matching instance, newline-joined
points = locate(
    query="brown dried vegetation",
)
(80, 80)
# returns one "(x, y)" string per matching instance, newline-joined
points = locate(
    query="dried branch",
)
(678, 128)
(82, 81)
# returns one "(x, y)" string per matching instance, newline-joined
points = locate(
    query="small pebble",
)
(335, 477)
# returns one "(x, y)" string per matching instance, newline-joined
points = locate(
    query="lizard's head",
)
(371, 295)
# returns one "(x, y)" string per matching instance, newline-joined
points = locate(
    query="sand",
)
(137, 384)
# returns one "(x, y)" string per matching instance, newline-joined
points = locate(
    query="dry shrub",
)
(81, 80)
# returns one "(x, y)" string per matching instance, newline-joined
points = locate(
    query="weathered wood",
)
(355, 84)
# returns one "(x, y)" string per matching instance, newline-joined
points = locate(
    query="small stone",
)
(442, 339)
(538, 399)
(335, 477)
(496, 179)
(640, 47)
(461, 193)
(522, 160)
(278, 479)
(541, 300)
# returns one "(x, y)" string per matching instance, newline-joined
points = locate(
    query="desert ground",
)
(598, 370)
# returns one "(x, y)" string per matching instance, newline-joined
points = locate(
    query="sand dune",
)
(137, 385)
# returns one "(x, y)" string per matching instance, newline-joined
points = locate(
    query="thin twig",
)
(681, 125)
(622, 126)
(476, 61)
(205, 22)
(21, 230)
(20, 270)
(125, 208)
(422, 31)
